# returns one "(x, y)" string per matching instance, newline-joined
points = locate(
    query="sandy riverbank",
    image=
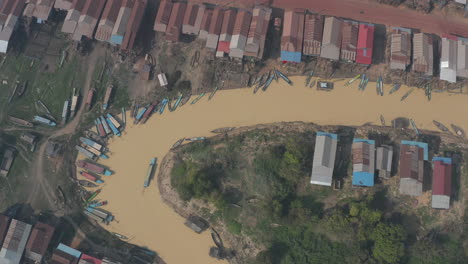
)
(141, 214)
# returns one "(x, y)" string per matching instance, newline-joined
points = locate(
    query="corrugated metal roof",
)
(400, 50)
(331, 40)
(193, 19)
(60, 257)
(205, 25)
(462, 58)
(448, 60)
(313, 32)
(423, 53)
(174, 28)
(216, 21)
(4, 223)
(242, 24)
(365, 44)
(411, 169)
(291, 56)
(384, 157)
(349, 40)
(121, 23)
(324, 159)
(134, 24)
(257, 32)
(363, 162)
(107, 22)
(38, 241)
(229, 20)
(191, 14)
(39, 9)
(63, 4)
(293, 33)
(85, 259)
(15, 242)
(442, 176)
(163, 16)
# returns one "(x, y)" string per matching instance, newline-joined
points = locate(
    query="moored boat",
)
(441, 126)
(148, 113)
(113, 121)
(407, 94)
(185, 99)
(85, 152)
(198, 98)
(105, 125)
(222, 130)
(90, 177)
(213, 92)
(91, 143)
(458, 130)
(107, 97)
(382, 120)
(44, 121)
(395, 88)
(163, 105)
(93, 167)
(176, 104)
(268, 82)
(195, 138)
(178, 143)
(86, 183)
(149, 173)
(413, 124)
(309, 78)
(285, 78)
(120, 236)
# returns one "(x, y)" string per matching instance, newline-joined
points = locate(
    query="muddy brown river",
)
(147, 221)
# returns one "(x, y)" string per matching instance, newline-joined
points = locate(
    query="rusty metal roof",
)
(174, 27)
(134, 24)
(313, 31)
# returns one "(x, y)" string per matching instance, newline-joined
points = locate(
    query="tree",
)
(388, 242)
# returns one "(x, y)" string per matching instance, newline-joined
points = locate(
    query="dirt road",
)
(37, 169)
(368, 11)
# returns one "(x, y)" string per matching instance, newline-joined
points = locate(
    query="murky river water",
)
(141, 214)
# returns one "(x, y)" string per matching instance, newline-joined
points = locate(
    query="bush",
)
(234, 227)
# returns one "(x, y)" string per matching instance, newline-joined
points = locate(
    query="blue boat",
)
(195, 138)
(113, 128)
(285, 78)
(91, 143)
(176, 104)
(163, 105)
(268, 82)
(104, 124)
(44, 121)
(140, 114)
(150, 172)
(85, 152)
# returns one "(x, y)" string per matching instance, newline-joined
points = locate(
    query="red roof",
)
(164, 12)
(4, 223)
(90, 259)
(224, 46)
(411, 162)
(78, 5)
(216, 21)
(229, 21)
(111, 11)
(93, 8)
(442, 178)
(174, 28)
(365, 44)
(134, 24)
(40, 238)
(242, 25)
(205, 25)
(191, 14)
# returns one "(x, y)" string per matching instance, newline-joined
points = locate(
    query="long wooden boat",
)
(86, 183)
(213, 92)
(285, 78)
(458, 130)
(19, 121)
(395, 88)
(441, 126)
(198, 98)
(222, 130)
(178, 143)
(382, 120)
(407, 94)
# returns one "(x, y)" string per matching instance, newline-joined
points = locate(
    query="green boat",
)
(198, 98)
(407, 94)
(213, 92)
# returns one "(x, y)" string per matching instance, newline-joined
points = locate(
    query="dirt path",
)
(368, 11)
(37, 169)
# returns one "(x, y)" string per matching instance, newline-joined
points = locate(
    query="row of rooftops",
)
(228, 31)
(113, 21)
(21, 241)
(332, 38)
(366, 159)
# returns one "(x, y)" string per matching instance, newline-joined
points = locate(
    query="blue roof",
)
(291, 56)
(70, 251)
(361, 178)
(403, 29)
(116, 39)
(368, 141)
(333, 136)
(443, 159)
(419, 144)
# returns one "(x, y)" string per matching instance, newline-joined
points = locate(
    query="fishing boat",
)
(149, 173)
(96, 152)
(268, 82)
(222, 130)
(65, 111)
(148, 113)
(19, 121)
(395, 88)
(213, 92)
(90, 177)
(163, 105)
(120, 236)
(364, 85)
(100, 128)
(381, 86)
(88, 184)
(178, 143)
(74, 103)
(91, 143)
(140, 114)
(114, 129)
(195, 138)
(309, 78)
(441, 126)
(275, 75)
(429, 91)
(89, 99)
(97, 204)
(105, 125)
(256, 81)
(107, 96)
(185, 99)
(458, 130)
(353, 79)
(176, 104)
(378, 86)
(85, 152)
(382, 120)
(285, 78)
(113, 120)
(93, 195)
(407, 94)
(93, 167)
(198, 98)
(124, 116)
(413, 124)
(312, 84)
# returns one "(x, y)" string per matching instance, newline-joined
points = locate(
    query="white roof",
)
(162, 79)
(324, 160)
